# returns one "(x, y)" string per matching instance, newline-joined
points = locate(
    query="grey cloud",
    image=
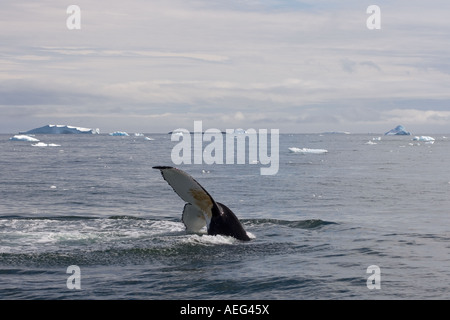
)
(276, 62)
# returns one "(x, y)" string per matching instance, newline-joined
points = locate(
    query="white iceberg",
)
(119, 133)
(61, 129)
(398, 130)
(423, 138)
(22, 137)
(149, 139)
(306, 150)
(426, 139)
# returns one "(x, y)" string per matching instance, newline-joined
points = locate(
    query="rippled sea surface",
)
(95, 202)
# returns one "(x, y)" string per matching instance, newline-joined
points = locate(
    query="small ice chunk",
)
(119, 133)
(42, 144)
(307, 150)
(424, 138)
(22, 137)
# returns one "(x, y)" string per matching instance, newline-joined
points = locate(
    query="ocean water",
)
(95, 202)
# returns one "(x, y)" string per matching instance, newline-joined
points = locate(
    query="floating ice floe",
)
(42, 144)
(424, 138)
(22, 137)
(370, 142)
(119, 133)
(240, 131)
(307, 151)
(61, 129)
(336, 132)
(149, 139)
(398, 130)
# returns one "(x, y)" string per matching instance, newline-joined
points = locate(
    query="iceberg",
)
(398, 130)
(306, 150)
(119, 133)
(22, 137)
(61, 129)
(423, 138)
(426, 139)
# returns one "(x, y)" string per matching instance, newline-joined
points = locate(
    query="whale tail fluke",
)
(201, 209)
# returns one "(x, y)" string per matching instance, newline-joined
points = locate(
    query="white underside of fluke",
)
(197, 212)
(194, 219)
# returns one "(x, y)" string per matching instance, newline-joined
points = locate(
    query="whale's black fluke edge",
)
(201, 209)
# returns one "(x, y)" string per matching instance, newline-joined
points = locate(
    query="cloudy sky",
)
(154, 66)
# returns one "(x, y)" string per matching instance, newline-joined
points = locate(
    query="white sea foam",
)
(209, 240)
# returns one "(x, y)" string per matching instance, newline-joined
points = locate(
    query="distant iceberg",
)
(306, 150)
(61, 129)
(398, 130)
(336, 132)
(22, 137)
(119, 133)
(425, 139)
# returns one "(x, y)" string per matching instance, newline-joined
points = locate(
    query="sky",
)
(155, 66)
